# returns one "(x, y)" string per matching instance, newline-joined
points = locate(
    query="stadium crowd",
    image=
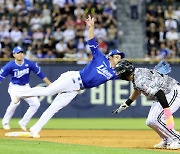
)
(55, 29)
(162, 29)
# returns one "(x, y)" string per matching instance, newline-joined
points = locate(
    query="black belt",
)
(80, 83)
(178, 83)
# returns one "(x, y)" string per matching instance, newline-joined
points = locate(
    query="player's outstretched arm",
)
(125, 105)
(46, 80)
(90, 24)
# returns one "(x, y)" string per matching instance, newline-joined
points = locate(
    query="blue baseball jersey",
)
(98, 70)
(20, 73)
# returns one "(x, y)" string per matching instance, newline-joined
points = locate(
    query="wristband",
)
(167, 112)
(128, 102)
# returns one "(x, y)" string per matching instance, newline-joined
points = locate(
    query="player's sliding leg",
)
(63, 84)
(59, 102)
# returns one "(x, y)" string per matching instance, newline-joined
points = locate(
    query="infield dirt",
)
(141, 139)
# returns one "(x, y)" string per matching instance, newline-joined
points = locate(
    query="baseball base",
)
(18, 134)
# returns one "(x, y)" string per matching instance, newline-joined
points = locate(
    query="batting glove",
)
(169, 118)
(122, 107)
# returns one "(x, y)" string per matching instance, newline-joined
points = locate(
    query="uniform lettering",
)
(19, 74)
(103, 71)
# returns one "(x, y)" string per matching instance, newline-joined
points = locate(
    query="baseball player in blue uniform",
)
(19, 70)
(98, 71)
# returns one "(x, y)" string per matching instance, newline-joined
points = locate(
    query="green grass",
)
(94, 123)
(14, 146)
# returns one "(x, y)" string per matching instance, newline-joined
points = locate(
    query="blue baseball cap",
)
(116, 52)
(17, 49)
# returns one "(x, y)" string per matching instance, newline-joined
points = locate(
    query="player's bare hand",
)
(90, 21)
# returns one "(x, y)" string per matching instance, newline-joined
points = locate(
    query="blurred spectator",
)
(57, 34)
(69, 21)
(162, 34)
(100, 32)
(79, 2)
(151, 44)
(29, 53)
(90, 9)
(170, 23)
(152, 32)
(71, 49)
(151, 10)
(169, 13)
(103, 46)
(82, 57)
(172, 35)
(60, 3)
(35, 22)
(160, 11)
(4, 22)
(48, 35)
(108, 9)
(37, 36)
(79, 11)
(4, 33)
(164, 52)
(50, 55)
(46, 15)
(99, 9)
(177, 14)
(67, 11)
(39, 53)
(134, 9)
(69, 33)
(22, 10)
(79, 22)
(112, 39)
(81, 45)
(61, 48)
(59, 22)
(16, 36)
(10, 6)
(26, 37)
(109, 21)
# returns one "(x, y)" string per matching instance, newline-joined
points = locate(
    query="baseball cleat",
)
(23, 127)
(174, 145)
(6, 126)
(34, 134)
(161, 145)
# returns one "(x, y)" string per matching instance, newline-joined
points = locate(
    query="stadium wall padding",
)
(91, 103)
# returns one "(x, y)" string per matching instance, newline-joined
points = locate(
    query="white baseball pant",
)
(68, 85)
(156, 119)
(33, 103)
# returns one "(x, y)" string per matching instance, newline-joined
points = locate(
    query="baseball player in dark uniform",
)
(164, 90)
(98, 71)
(19, 70)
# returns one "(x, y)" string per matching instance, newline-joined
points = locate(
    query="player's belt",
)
(178, 83)
(80, 83)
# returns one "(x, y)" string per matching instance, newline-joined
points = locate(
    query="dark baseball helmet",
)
(124, 68)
